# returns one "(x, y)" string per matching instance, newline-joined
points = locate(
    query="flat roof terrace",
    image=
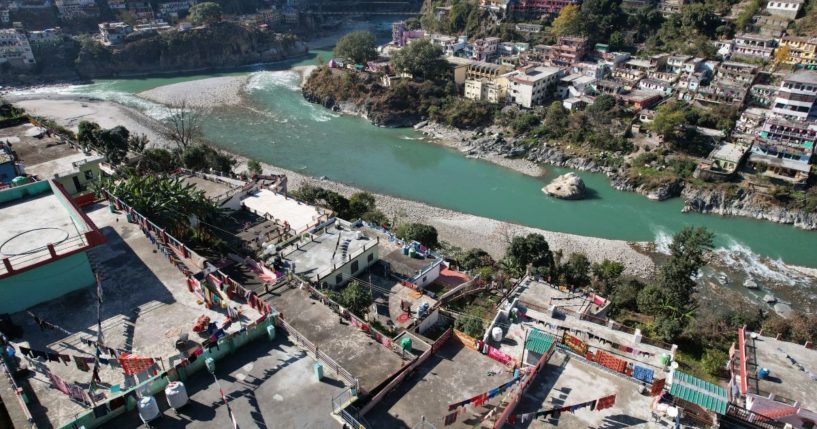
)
(455, 373)
(268, 385)
(368, 361)
(786, 379)
(212, 189)
(323, 253)
(566, 380)
(146, 307)
(298, 215)
(34, 216)
(32, 150)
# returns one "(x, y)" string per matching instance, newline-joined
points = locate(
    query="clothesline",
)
(617, 346)
(594, 405)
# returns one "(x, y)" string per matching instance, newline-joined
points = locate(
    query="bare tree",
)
(183, 124)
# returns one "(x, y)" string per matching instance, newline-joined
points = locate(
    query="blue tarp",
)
(643, 374)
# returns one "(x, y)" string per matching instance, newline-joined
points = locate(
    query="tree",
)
(600, 18)
(137, 143)
(254, 167)
(157, 160)
(567, 23)
(113, 144)
(472, 326)
(205, 13)
(531, 249)
(476, 258)
(714, 362)
(575, 269)
(424, 234)
(670, 121)
(781, 55)
(355, 298)
(87, 133)
(421, 59)
(606, 275)
(556, 121)
(357, 46)
(360, 203)
(183, 124)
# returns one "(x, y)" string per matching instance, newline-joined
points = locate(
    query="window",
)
(339, 278)
(370, 258)
(89, 174)
(355, 267)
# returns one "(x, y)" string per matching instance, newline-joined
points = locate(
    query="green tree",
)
(357, 46)
(113, 144)
(360, 203)
(324, 198)
(606, 275)
(476, 258)
(254, 167)
(576, 270)
(424, 234)
(421, 59)
(157, 160)
(87, 134)
(531, 249)
(714, 362)
(205, 13)
(670, 121)
(600, 18)
(356, 298)
(568, 22)
(472, 326)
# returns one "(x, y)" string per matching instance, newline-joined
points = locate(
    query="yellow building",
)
(802, 50)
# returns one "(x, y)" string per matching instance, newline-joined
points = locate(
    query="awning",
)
(699, 392)
(538, 341)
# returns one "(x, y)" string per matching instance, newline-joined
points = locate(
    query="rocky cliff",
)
(216, 46)
(746, 203)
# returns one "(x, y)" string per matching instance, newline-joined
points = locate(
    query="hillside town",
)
(151, 278)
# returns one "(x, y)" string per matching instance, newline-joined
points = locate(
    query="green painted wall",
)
(44, 283)
(18, 192)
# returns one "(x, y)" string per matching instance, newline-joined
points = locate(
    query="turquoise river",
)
(279, 127)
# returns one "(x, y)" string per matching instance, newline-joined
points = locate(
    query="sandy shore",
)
(204, 93)
(70, 111)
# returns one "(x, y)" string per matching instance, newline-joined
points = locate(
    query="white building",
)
(70, 9)
(530, 86)
(114, 33)
(15, 49)
(797, 96)
(785, 8)
(49, 35)
(173, 9)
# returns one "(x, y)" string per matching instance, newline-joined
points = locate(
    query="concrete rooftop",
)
(455, 373)
(786, 379)
(299, 215)
(368, 361)
(27, 225)
(268, 385)
(60, 166)
(567, 380)
(211, 188)
(32, 150)
(321, 254)
(146, 307)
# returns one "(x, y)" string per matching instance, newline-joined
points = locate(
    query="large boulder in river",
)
(567, 186)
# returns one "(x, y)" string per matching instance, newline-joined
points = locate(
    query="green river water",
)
(279, 127)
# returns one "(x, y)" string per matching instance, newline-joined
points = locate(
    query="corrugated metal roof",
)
(538, 341)
(699, 392)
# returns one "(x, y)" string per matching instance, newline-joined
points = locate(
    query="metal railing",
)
(319, 355)
(752, 417)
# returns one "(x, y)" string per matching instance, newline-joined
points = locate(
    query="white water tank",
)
(176, 394)
(496, 334)
(148, 408)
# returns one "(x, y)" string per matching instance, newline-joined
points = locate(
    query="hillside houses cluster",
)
(779, 145)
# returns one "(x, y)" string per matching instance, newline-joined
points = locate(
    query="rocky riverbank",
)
(745, 203)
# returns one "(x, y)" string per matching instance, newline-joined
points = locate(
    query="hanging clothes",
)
(605, 402)
(450, 419)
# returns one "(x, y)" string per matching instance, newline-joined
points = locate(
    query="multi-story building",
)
(658, 85)
(483, 49)
(801, 50)
(117, 5)
(783, 150)
(797, 96)
(482, 70)
(15, 49)
(5, 17)
(683, 64)
(530, 86)
(785, 8)
(490, 90)
(174, 9)
(402, 36)
(670, 7)
(142, 10)
(574, 85)
(753, 46)
(762, 95)
(567, 51)
(528, 28)
(48, 36)
(114, 33)
(539, 8)
(71, 9)
(740, 73)
(449, 44)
